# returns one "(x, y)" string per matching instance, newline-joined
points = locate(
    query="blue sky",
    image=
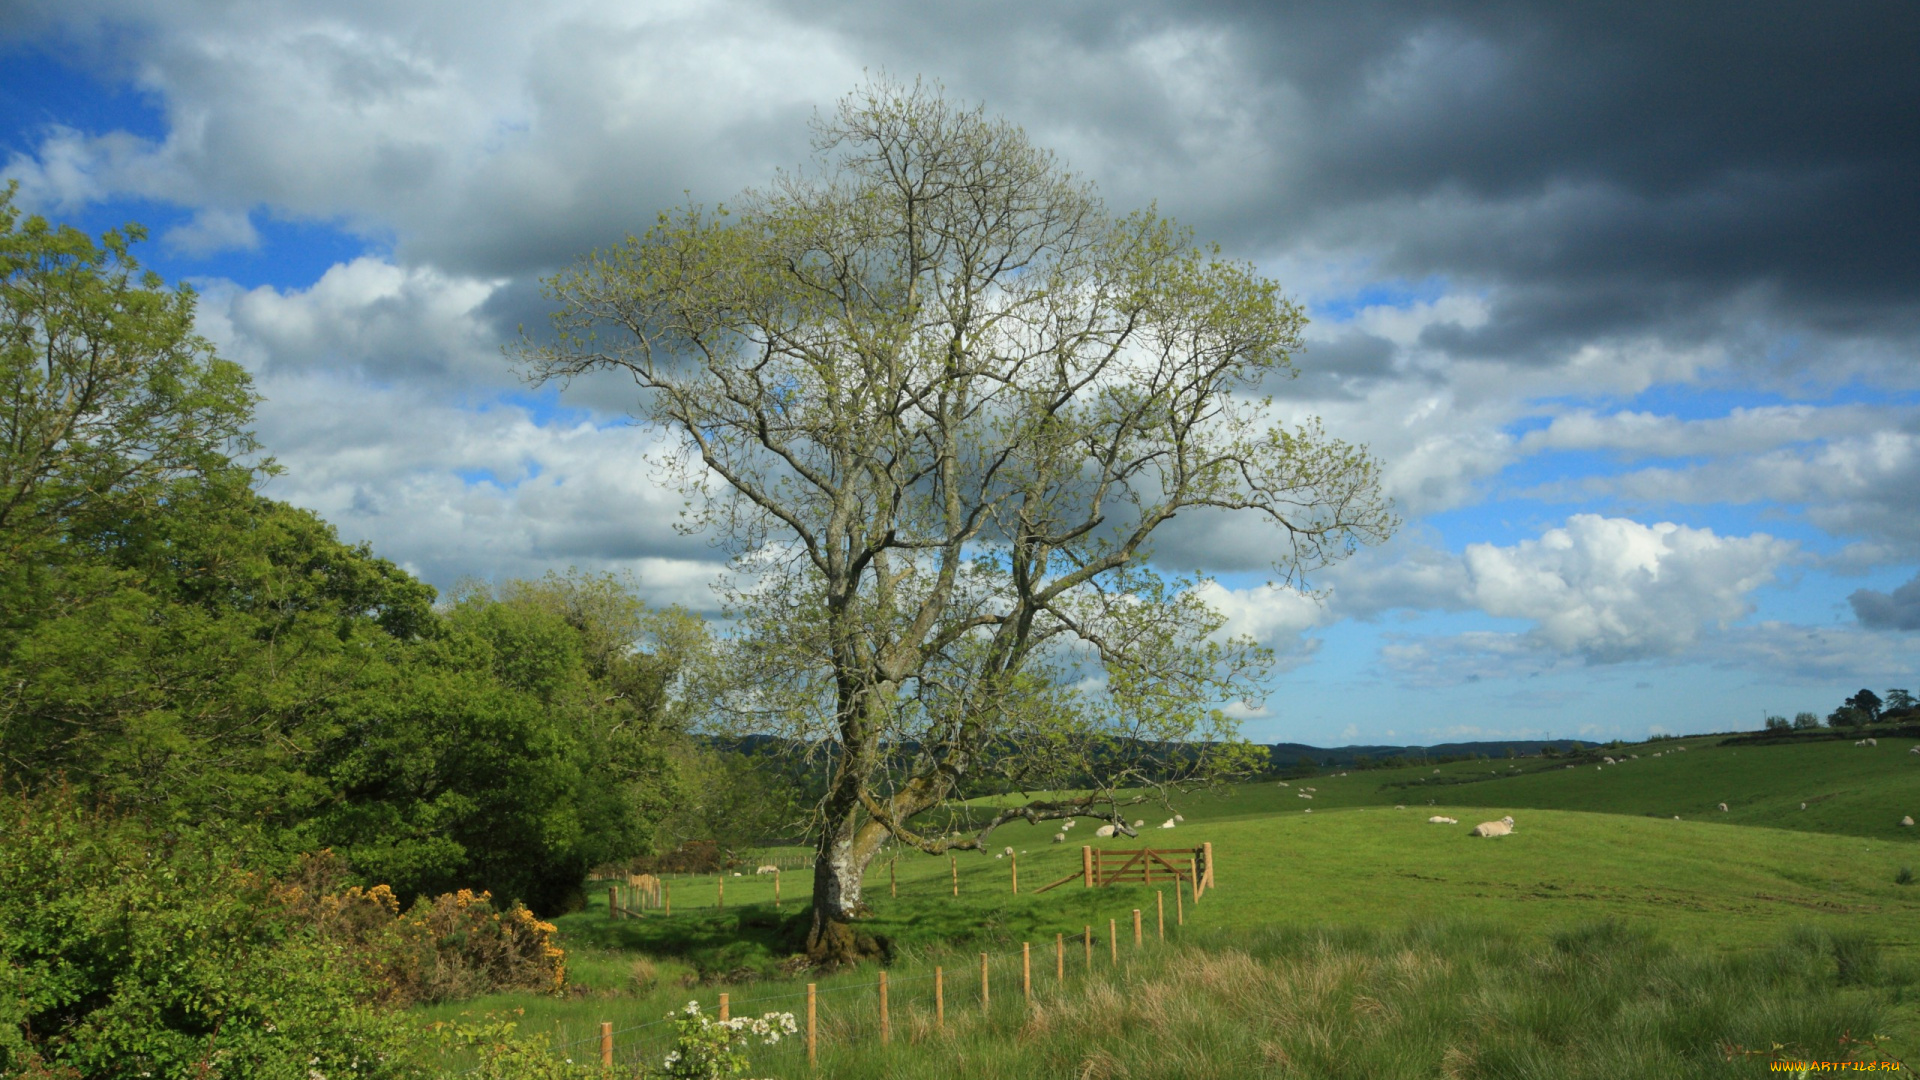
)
(1627, 307)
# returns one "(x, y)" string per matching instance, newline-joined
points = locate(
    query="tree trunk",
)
(845, 850)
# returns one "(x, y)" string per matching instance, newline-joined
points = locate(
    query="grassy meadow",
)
(1603, 937)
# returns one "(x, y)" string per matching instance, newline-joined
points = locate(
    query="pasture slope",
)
(1594, 846)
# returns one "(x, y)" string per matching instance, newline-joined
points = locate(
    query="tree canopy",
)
(179, 647)
(938, 399)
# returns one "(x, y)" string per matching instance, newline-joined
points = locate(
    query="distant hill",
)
(1289, 754)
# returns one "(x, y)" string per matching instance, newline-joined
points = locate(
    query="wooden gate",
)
(1100, 867)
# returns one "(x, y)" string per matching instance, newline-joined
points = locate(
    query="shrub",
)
(459, 945)
(130, 953)
(447, 947)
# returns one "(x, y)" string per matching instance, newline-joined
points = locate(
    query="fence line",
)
(631, 899)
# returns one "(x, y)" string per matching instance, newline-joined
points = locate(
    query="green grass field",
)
(1592, 847)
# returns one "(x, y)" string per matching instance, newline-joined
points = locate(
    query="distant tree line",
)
(1859, 710)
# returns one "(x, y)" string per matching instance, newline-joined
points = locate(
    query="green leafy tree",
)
(184, 662)
(1898, 700)
(514, 751)
(1860, 709)
(1805, 721)
(111, 398)
(1778, 723)
(939, 400)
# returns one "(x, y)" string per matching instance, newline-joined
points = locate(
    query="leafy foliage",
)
(173, 644)
(130, 953)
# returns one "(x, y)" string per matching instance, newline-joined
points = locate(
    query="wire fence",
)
(1002, 979)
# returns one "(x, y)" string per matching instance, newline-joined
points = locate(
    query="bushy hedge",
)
(126, 953)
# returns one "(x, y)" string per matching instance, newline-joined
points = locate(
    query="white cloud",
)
(213, 230)
(1612, 589)
(390, 323)
(1743, 430)
(1600, 590)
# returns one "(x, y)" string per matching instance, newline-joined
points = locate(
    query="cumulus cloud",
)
(370, 316)
(1611, 589)
(1858, 485)
(1603, 590)
(1273, 615)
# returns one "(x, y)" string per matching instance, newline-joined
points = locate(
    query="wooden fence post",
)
(726, 1012)
(1015, 859)
(1179, 905)
(1060, 958)
(984, 996)
(886, 1026)
(613, 906)
(1086, 865)
(1026, 971)
(606, 1044)
(776, 886)
(1089, 940)
(940, 999)
(893, 878)
(1193, 874)
(1136, 928)
(722, 903)
(953, 864)
(1208, 848)
(1113, 940)
(666, 888)
(1160, 911)
(810, 1027)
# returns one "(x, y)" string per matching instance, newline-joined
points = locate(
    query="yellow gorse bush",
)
(455, 945)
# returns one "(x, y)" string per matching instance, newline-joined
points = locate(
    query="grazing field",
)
(1346, 918)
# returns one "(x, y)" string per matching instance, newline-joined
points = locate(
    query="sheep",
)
(1167, 824)
(1438, 820)
(1139, 824)
(1907, 821)
(1873, 742)
(1723, 808)
(1492, 828)
(1059, 838)
(1303, 795)
(1179, 819)
(766, 870)
(1283, 783)
(1103, 831)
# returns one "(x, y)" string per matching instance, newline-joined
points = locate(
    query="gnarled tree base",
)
(837, 942)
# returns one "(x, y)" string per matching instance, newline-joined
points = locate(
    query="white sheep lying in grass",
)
(1438, 820)
(1167, 824)
(1492, 828)
(1103, 831)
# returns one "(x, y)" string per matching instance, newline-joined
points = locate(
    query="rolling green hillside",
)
(1847, 789)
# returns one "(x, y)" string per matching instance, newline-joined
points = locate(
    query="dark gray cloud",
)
(1898, 610)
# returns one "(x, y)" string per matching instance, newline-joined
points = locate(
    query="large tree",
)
(938, 400)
